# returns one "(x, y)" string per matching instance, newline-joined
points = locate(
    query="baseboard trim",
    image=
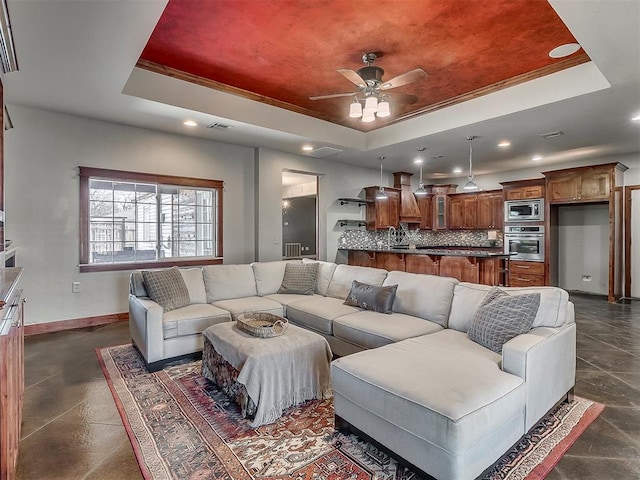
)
(50, 327)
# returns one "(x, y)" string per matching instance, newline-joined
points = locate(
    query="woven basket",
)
(262, 324)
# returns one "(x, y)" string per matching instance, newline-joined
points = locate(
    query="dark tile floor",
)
(72, 430)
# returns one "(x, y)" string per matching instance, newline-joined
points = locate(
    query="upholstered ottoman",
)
(267, 375)
(439, 401)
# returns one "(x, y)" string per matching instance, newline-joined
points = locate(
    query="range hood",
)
(409, 211)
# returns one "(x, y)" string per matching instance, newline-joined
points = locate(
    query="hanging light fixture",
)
(420, 190)
(471, 184)
(355, 109)
(375, 105)
(381, 195)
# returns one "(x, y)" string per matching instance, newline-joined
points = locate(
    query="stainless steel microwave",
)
(517, 211)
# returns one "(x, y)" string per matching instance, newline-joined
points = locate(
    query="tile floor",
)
(72, 430)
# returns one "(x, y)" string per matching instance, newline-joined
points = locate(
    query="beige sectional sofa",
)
(411, 380)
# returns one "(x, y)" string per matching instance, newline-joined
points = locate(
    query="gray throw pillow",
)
(502, 317)
(371, 297)
(299, 278)
(166, 288)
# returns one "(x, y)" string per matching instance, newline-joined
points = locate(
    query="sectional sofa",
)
(411, 380)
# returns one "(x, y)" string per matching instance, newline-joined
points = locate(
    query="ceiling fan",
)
(373, 88)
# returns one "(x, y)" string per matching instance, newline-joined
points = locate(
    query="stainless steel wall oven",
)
(524, 242)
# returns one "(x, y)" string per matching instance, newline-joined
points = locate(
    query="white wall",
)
(42, 153)
(335, 180)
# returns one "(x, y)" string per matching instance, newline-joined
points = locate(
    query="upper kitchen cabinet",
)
(581, 184)
(463, 210)
(425, 205)
(382, 213)
(490, 210)
(523, 189)
(440, 204)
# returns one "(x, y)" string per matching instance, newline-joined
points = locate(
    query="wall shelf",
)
(359, 201)
(351, 222)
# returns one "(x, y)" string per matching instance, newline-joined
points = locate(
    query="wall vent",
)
(324, 152)
(219, 126)
(557, 133)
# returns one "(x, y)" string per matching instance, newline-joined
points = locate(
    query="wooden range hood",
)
(409, 211)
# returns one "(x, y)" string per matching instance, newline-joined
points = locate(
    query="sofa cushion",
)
(424, 296)
(371, 297)
(467, 298)
(372, 329)
(269, 275)
(166, 287)
(460, 399)
(299, 278)
(236, 306)
(345, 274)
(325, 273)
(192, 319)
(318, 313)
(223, 282)
(136, 284)
(502, 317)
(195, 284)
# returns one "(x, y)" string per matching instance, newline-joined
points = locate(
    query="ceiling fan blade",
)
(335, 95)
(403, 79)
(353, 77)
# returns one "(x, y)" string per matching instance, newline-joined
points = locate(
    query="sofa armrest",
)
(545, 358)
(145, 327)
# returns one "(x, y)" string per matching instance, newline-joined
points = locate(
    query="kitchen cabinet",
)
(440, 204)
(390, 261)
(490, 211)
(425, 205)
(524, 189)
(577, 185)
(382, 213)
(464, 269)
(426, 264)
(526, 274)
(463, 209)
(361, 258)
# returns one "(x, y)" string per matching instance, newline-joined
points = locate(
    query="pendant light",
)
(381, 195)
(471, 184)
(420, 190)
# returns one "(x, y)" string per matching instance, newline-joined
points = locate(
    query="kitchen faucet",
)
(391, 229)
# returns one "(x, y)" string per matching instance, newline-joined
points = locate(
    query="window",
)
(131, 220)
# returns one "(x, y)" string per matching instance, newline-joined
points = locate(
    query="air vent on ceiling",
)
(438, 157)
(324, 152)
(219, 126)
(557, 133)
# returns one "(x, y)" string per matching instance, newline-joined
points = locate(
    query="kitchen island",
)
(489, 266)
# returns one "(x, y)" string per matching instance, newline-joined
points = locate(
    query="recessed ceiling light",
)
(636, 118)
(536, 158)
(504, 144)
(564, 50)
(190, 123)
(307, 148)
(457, 170)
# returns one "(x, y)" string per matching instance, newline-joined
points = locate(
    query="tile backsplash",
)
(404, 236)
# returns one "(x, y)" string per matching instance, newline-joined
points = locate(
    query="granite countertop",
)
(440, 251)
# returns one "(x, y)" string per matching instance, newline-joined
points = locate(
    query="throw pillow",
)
(299, 278)
(371, 297)
(166, 288)
(502, 317)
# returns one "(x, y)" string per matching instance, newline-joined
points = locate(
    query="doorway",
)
(632, 237)
(299, 215)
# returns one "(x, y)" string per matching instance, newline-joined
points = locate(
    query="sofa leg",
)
(570, 395)
(341, 424)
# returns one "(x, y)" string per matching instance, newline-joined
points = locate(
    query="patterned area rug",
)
(182, 427)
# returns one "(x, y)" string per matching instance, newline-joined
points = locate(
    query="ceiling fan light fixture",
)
(371, 104)
(355, 110)
(383, 109)
(368, 116)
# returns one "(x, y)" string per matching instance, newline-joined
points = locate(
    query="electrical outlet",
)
(586, 278)
(75, 287)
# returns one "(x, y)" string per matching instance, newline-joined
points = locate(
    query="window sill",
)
(112, 267)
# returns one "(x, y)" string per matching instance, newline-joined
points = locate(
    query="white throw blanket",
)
(277, 372)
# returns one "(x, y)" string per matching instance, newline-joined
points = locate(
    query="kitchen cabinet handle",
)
(524, 280)
(522, 266)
